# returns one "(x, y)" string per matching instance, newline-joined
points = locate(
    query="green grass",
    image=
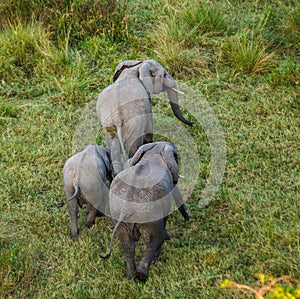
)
(247, 53)
(48, 79)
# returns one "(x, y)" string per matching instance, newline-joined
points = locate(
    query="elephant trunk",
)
(184, 213)
(173, 98)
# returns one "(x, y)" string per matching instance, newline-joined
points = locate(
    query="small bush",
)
(271, 288)
(247, 54)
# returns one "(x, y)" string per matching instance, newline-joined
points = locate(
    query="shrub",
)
(273, 288)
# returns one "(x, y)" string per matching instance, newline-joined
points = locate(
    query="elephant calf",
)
(85, 175)
(140, 202)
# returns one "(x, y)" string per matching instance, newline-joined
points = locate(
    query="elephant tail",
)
(107, 256)
(60, 205)
(74, 195)
(119, 134)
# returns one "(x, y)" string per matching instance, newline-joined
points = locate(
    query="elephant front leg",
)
(113, 143)
(92, 212)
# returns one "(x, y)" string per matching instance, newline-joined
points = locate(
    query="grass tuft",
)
(22, 47)
(293, 23)
(247, 54)
(205, 19)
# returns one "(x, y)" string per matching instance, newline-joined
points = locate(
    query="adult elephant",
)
(124, 107)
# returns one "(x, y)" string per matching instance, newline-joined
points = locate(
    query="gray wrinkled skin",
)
(85, 175)
(125, 110)
(140, 201)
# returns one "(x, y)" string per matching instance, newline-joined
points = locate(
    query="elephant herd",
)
(141, 174)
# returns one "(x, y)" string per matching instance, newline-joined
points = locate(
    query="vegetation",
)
(275, 288)
(241, 56)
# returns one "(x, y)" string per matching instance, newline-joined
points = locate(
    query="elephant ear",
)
(104, 154)
(170, 156)
(146, 74)
(125, 65)
(140, 153)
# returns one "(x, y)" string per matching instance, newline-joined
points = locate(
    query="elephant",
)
(140, 202)
(84, 176)
(124, 107)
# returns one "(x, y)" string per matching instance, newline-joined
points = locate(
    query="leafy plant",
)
(272, 289)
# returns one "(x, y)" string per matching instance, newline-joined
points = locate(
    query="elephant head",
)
(155, 79)
(165, 149)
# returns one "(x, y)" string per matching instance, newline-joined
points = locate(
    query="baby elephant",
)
(140, 202)
(85, 175)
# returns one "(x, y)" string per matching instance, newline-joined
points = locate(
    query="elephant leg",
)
(92, 212)
(115, 151)
(154, 235)
(128, 247)
(73, 212)
(165, 224)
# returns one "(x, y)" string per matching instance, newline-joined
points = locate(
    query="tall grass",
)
(247, 53)
(204, 19)
(293, 24)
(81, 18)
(172, 46)
(178, 38)
(22, 49)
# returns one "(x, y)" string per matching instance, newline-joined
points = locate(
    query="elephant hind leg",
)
(128, 247)
(92, 212)
(73, 212)
(154, 235)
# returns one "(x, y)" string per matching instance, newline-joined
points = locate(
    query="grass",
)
(49, 80)
(247, 53)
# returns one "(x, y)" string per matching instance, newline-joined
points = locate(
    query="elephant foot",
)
(142, 272)
(74, 235)
(89, 223)
(130, 270)
(99, 214)
(167, 238)
(141, 276)
(130, 276)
